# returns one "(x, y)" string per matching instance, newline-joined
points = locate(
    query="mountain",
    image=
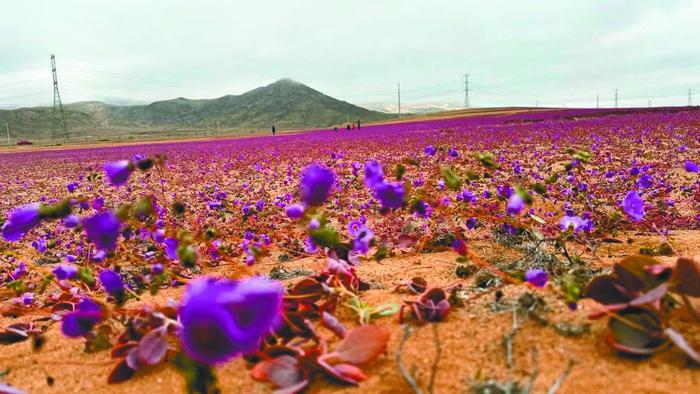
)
(286, 103)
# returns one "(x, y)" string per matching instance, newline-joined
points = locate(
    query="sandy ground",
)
(471, 341)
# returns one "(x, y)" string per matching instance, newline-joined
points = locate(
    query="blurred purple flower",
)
(65, 271)
(536, 277)
(222, 319)
(118, 172)
(295, 211)
(633, 206)
(390, 195)
(20, 221)
(374, 175)
(316, 184)
(81, 321)
(103, 230)
(515, 204)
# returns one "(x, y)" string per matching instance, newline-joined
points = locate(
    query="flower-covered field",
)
(523, 252)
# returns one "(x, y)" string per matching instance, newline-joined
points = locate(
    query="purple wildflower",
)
(20, 221)
(80, 322)
(111, 282)
(103, 230)
(390, 195)
(118, 172)
(223, 319)
(691, 166)
(316, 184)
(65, 271)
(536, 277)
(634, 206)
(515, 204)
(295, 211)
(374, 175)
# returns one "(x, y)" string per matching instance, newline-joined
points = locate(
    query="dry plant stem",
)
(508, 340)
(407, 332)
(560, 380)
(534, 354)
(436, 361)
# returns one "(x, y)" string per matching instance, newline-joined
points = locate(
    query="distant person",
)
(353, 126)
(358, 124)
(347, 127)
(273, 130)
(336, 128)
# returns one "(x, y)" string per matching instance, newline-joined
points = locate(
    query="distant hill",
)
(286, 103)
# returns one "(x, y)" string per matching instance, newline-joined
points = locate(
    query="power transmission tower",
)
(466, 91)
(57, 106)
(398, 85)
(690, 97)
(616, 96)
(597, 100)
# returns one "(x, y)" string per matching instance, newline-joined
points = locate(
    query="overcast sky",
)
(516, 52)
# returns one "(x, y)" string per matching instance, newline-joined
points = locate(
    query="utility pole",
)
(616, 97)
(57, 105)
(466, 91)
(398, 85)
(690, 97)
(537, 104)
(7, 127)
(649, 103)
(597, 100)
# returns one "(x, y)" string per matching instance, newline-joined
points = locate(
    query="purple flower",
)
(40, 245)
(515, 204)
(471, 223)
(157, 269)
(171, 245)
(316, 184)
(645, 182)
(20, 221)
(574, 222)
(79, 322)
(354, 227)
(72, 186)
(111, 282)
(98, 203)
(65, 271)
(390, 195)
(223, 319)
(103, 230)
(536, 277)
(118, 172)
(460, 247)
(295, 211)
(71, 221)
(159, 235)
(452, 152)
(362, 240)
(633, 206)
(374, 175)
(691, 166)
(430, 150)
(100, 255)
(259, 205)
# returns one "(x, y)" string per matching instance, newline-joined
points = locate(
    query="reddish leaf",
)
(679, 341)
(152, 347)
(122, 349)
(362, 344)
(350, 371)
(686, 277)
(120, 373)
(604, 290)
(13, 335)
(330, 322)
(281, 371)
(307, 290)
(132, 359)
(651, 296)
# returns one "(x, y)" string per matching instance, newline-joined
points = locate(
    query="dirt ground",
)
(471, 341)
